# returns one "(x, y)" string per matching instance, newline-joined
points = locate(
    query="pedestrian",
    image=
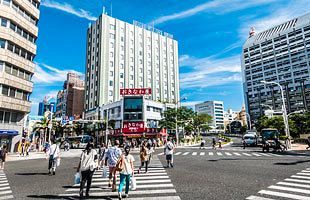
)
(150, 149)
(144, 157)
(126, 173)
(54, 154)
(3, 155)
(169, 148)
(202, 144)
(213, 143)
(308, 142)
(87, 166)
(102, 154)
(220, 143)
(66, 146)
(243, 143)
(112, 156)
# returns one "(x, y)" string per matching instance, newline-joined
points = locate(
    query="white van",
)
(250, 139)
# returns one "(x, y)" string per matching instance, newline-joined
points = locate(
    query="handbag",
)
(77, 178)
(104, 172)
(120, 164)
(58, 162)
(133, 183)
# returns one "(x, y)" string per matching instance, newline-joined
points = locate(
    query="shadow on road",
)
(292, 163)
(31, 174)
(66, 197)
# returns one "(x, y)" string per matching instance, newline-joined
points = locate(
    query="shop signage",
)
(133, 127)
(135, 91)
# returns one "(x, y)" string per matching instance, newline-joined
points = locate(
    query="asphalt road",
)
(230, 173)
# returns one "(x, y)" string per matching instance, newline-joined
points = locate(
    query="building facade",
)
(46, 106)
(18, 34)
(280, 54)
(215, 109)
(122, 55)
(230, 116)
(70, 100)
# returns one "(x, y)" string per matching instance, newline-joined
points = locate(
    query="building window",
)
(122, 65)
(112, 36)
(131, 77)
(121, 75)
(2, 44)
(111, 73)
(131, 85)
(111, 54)
(111, 83)
(121, 84)
(110, 93)
(4, 22)
(111, 64)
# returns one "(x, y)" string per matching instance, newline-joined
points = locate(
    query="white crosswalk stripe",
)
(211, 153)
(295, 187)
(219, 154)
(202, 153)
(154, 185)
(227, 153)
(194, 154)
(5, 189)
(177, 153)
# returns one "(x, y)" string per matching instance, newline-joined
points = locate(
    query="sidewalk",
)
(299, 147)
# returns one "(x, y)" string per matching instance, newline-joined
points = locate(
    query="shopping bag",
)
(104, 172)
(58, 162)
(133, 185)
(77, 178)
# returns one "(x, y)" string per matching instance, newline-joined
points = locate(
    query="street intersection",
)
(228, 173)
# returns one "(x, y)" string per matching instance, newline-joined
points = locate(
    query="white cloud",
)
(48, 75)
(208, 72)
(277, 16)
(217, 6)
(68, 9)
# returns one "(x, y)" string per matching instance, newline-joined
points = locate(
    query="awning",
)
(5, 132)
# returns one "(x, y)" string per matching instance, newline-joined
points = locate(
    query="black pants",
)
(52, 163)
(86, 177)
(146, 165)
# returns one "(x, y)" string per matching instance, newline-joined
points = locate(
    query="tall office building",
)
(280, 54)
(18, 34)
(122, 55)
(215, 109)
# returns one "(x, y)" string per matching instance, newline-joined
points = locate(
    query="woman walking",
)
(87, 166)
(126, 173)
(3, 155)
(144, 157)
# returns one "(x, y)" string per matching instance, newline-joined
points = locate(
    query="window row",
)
(20, 11)
(15, 71)
(19, 30)
(10, 117)
(4, 44)
(14, 93)
(35, 3)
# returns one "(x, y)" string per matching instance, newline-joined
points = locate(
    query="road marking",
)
(186, 153)
(194, 154)
(303, 177)
(256, 154)
(237, 154)
(227, 153)
(202, 153)
(285, 195)
(157, 198)
(6, 192)
(219, 154)
(7, 197)
(211, 153)
(246, 154)
(297, 180)
(4, 188)
(178, 153)
(160, 154)
(306, 174)
(278, 155)
(264, 154)
(289, 189)
(258, 198)
(294, 184)
(306, 171)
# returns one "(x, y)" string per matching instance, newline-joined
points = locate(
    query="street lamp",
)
(176, 120)
(285, 117)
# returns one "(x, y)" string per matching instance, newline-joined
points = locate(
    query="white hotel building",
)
(122, 55)
(280, 54)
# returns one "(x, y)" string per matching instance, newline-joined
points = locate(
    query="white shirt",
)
(88, 160)
(54, 148)
(127, 164)
(169, 151)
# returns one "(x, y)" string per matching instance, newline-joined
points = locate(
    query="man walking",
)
(113, 154)
(54, 154)
(169, 148)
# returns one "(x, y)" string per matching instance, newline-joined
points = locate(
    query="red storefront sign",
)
(133, 127)
(136, 91)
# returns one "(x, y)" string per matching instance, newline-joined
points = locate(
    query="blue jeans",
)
(124, 177)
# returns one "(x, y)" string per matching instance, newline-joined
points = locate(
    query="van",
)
(250, 139)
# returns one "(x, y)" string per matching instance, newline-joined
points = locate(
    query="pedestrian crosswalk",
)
(154, 185)
(235, 154)
(5, 189)
(295, 187)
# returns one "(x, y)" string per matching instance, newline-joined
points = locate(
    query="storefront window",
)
(7, 117)
(1, 116)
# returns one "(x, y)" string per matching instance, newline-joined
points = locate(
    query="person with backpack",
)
(87, 166)
(54, 154)
(144, 157)
(169, 148)
(308, 142)
(112, 157)
(3, 155)
(126, 173)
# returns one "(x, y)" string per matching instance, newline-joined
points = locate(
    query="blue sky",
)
(210, 35)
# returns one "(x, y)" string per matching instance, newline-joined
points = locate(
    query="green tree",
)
(200, 121)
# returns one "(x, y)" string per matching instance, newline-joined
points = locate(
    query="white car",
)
(250, 139)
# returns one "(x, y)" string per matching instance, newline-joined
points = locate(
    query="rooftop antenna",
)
(111, 10)
(103, 9)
